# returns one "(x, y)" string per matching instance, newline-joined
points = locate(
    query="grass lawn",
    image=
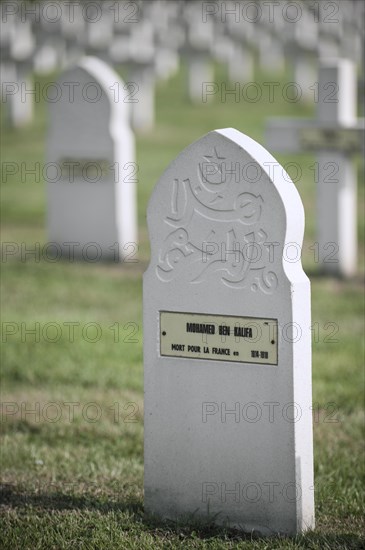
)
(72, 391)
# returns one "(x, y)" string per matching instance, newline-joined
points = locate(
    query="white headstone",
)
(17, 48)
(329, 29)
(227, 343)
(141, 77)
(241, 65)
(91, 165)
(100, 28)
(198, 51)
(270, 38)
(74, 32)
(352, 35)
(45, 59)
(168, 35)
(48, 32)
(301, 47)
(334, 136)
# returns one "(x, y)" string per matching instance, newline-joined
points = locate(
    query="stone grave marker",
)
(329, 32)
(91, 169)
(335, 135)
(45, 59)
(99, 29)
(227, 342)
(168, 36)
(301, 47)
(119, 50)
(48, 47)
(17, 48)
(197, 50)
(133, 47)
(51, 51)
(271, 34)
(74, 34)
(353, 32)
(142, 77)
(241, 65)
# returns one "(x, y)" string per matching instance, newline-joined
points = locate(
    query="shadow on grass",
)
(11, 496)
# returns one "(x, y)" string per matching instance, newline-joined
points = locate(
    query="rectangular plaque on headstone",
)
(219, 337)
(336, 139)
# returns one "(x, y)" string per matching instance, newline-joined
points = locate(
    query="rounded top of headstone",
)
(91, 82)
(89, 108)
(225, 211)
(111, 83)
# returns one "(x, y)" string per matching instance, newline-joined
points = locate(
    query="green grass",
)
(72, 431)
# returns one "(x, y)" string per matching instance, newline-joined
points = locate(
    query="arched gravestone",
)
(227, 343)
(90, 165)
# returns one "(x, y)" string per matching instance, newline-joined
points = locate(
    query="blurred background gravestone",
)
(91, 160)
(334, 136)
(17, 50)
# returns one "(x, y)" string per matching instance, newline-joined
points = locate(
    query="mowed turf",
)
(72, 390)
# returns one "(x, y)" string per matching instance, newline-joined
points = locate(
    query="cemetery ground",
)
(72, 409)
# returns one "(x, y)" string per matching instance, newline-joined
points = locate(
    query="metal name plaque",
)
(219, 337)
(345, 139)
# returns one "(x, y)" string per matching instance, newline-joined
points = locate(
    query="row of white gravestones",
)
(91, 166)
(97, 24)
(314, 35)
(335, 135)
(227, 344)
(148, 58)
